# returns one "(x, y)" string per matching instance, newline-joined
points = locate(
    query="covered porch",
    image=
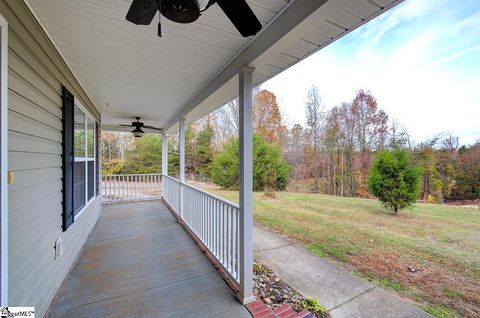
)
(138, 261)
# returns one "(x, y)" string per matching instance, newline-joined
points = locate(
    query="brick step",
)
(259, 309)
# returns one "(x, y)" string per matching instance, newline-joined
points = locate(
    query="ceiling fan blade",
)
(151, 127)
(124, 125)
(141, 12)
(241, 16)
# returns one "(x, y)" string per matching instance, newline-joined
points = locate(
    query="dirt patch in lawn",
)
(436, 285)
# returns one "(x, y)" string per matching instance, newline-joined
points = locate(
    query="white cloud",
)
(411, 9)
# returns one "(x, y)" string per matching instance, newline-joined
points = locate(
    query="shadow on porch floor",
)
(139, 262)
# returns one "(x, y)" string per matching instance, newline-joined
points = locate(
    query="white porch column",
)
(164, 154)
(181, 153)
(246, 187)
(164, 161)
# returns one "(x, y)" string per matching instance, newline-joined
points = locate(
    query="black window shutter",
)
(68, 158)
(97, 156)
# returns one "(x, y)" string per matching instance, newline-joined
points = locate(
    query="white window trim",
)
(87, 159)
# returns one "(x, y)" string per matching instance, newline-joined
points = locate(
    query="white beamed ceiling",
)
(128, 71)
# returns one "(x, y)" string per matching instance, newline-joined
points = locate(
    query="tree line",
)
(331, 154)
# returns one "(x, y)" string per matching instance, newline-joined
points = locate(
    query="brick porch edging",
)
(258, 309)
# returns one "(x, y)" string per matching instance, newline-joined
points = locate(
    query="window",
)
(84, 167)
(80, 158)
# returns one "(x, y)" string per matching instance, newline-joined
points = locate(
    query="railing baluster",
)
(199, 214)
(211, 223)
(217, 227)
(129, 184)
(220, 231)
(237, 247)
(112, 194)
(224, 233)
(203, 215)
(107, 188)
(194, 212)
(230, 226)
(137, 186)
(123, 188)
(222, 236)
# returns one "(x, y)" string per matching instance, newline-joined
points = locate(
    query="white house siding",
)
(36, 75)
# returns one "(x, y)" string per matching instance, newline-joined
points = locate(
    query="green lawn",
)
(440, 244)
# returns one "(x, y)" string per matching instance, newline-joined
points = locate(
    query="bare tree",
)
(451, 143)
(315, 116)
(399, 137)
(225, 122)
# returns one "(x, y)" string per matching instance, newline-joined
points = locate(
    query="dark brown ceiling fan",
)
(239, 12)
(138, 131)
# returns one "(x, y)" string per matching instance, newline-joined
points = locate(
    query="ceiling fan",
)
(239, 12)
(138, 131)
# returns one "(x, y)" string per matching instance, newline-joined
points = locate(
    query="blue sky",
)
(421, 60)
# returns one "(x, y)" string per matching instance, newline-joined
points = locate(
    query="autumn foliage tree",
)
(371, 130)
(267, 119)
(467, 185)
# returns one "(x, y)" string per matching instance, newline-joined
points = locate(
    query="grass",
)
(441, 244)
(441, 312)
(312, 305)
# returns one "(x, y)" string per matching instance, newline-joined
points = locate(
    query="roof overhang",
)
(193, 69)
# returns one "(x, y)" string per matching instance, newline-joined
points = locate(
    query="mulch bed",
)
(275, 292)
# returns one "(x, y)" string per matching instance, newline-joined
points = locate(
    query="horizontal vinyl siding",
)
(35, 157)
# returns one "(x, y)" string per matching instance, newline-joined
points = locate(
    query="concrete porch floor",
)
(139, 262)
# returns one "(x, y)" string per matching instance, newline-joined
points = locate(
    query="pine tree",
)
(394, 180)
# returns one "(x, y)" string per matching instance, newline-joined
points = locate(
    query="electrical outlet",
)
(58, 247)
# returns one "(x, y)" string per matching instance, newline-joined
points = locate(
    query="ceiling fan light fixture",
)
(181, 11)
(138, 132)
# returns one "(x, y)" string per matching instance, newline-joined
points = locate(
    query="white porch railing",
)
(171, 192)
(215, 221)
(131, 187)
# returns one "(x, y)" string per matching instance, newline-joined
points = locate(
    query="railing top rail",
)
(170, 177)
(236, 206)
(133, 174)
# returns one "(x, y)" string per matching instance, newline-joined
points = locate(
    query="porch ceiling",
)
(128, 71)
